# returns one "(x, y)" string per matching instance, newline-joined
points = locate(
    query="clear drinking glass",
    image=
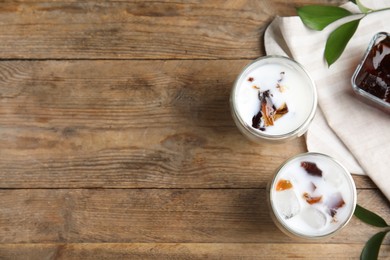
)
(311, 196)
(263, 92)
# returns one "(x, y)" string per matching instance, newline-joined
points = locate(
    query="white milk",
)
(287, 83)
(326, 215)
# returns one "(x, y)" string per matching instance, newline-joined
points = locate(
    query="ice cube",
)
(314, 217)
(334, 202)
(287, 203)
(333, 178)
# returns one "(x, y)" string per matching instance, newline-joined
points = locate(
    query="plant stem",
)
(379, 10)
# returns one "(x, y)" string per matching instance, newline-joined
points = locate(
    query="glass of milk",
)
(311, 196)
(273, 99)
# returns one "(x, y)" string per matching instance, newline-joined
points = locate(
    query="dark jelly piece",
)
(256, 120)
(311, 168)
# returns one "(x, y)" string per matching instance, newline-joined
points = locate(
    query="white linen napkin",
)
(354, 133)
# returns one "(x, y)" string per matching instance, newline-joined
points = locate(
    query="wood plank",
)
(156, 216)
(127, 124)
(185, 251)
(138, 30)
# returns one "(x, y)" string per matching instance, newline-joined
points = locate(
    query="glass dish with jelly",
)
(371, 79)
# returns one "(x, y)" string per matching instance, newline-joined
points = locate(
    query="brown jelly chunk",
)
(311, 168)
(374, 77)
(310, 199)
(283, 185)
(268, 113)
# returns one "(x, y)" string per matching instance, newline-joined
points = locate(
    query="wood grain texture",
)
(149, 124)
(138, 29)
(116, 140)
(156, 216)
(185, 251)
(127, 124)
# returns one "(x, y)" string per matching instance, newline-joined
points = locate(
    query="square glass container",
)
(371, 79)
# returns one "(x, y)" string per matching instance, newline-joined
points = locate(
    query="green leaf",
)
(369, 217)
(317, 17)
(371, 249)
(353, 1)
(363, 8)
(338, 40)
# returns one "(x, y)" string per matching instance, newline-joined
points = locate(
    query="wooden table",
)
(116, 139)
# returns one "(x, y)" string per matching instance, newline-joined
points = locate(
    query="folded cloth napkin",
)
(352, 132)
